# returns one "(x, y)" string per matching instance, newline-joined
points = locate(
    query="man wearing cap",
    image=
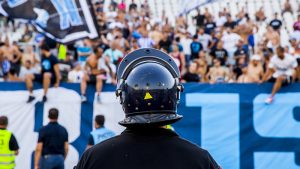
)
(149, 101)
(9, 147)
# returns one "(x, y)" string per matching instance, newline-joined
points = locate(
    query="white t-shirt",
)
(284, 66)
(145, 42)
(220, 21)
(186, 45)
(230, 41)
(110, 16)
(24, 71)
(75, 76)
(295, 35)
(204, 40)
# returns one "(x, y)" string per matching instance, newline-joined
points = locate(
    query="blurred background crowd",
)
(220, 42)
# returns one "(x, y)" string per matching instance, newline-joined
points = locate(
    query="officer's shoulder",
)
(191, 147)
(105, 147)
(109, 143)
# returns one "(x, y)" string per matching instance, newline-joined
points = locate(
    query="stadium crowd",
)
(223, 49)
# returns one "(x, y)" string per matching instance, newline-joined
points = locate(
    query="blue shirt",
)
(196, 47)
(100, 135)
(114, 55)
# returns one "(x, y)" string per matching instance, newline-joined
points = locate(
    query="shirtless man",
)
(245, 77)
(272, 37)
(255, 69)
(260, 15)
(217, 73)
(156, 34)
(7, 49)
(202, 69)
(93, 74)
(13, 54)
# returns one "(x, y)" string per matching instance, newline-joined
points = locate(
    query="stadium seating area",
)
(211, 41)
(223, 41)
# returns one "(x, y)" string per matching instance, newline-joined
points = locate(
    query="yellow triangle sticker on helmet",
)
(148, 96)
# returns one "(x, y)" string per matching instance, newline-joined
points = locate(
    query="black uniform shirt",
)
(53, 136)
(146, 149)
(13, 144)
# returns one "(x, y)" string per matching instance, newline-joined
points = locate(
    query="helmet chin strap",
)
(119, 90)
(180, 89)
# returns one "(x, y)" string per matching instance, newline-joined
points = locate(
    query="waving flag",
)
(61, 20)
(187, 6)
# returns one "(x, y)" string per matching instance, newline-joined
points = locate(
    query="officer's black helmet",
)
(149, 88)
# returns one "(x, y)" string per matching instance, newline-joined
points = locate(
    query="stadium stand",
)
(228, 41)
(156, 19)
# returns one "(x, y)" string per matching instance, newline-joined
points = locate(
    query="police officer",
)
(101, 133)
(149, 91)
(9, 147)
(53, 146)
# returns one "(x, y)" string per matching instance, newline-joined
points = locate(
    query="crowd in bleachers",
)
(208, 46)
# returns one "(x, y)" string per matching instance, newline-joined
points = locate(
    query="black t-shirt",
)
(219, 53)
(48, 63)
(165, 44)
(209, 27)
(214, 40)
(240, 52)
(147, 149)
(53, 136)
(132, 6)
(13, 144)
(191, 77)
(199, 19)
(230, 24)
(276, 24)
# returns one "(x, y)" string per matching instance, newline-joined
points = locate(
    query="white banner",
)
(22, 118)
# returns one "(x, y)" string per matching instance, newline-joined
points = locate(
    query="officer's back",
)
(149, 91)
(155, 148)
